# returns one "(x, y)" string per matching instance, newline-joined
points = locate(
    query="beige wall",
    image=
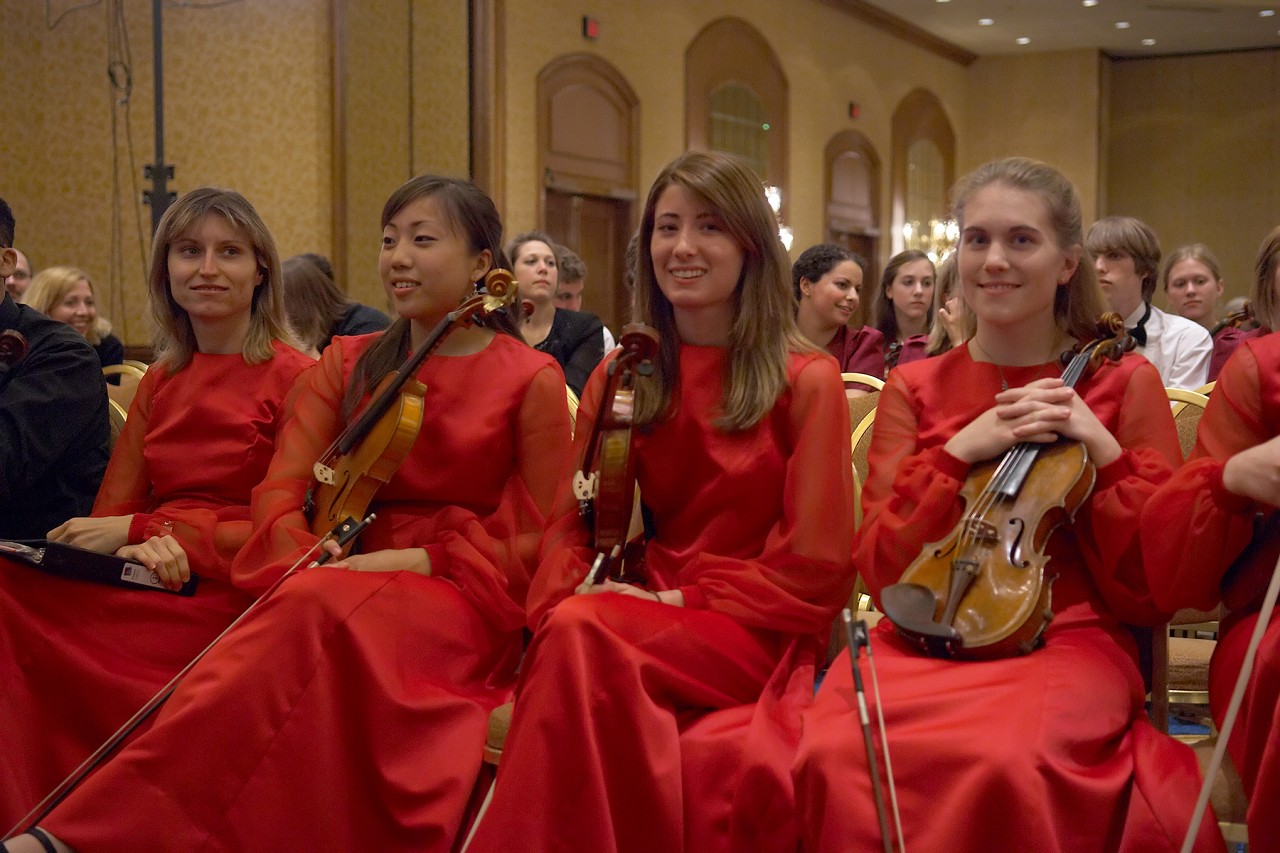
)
(246, 91)
(1044, 105)
(1193, 150)
(829, 59)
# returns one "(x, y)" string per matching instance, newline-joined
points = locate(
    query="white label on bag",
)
(141, 575)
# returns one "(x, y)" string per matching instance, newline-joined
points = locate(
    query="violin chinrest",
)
(912, 609)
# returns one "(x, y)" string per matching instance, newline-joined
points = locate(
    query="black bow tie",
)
(1139, 332)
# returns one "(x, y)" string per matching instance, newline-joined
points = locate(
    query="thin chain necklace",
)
(1004, 383)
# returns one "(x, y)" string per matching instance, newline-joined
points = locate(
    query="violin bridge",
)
(981, 530)
(323, 473)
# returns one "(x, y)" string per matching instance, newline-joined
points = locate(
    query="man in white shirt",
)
(1126, 255)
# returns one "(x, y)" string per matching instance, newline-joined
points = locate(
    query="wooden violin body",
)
(369, 452)
(984, 591)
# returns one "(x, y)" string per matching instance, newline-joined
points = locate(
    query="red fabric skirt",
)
(1047, 752)
(77, 660)
(1255, 740)
(347, 713)
(637, 728)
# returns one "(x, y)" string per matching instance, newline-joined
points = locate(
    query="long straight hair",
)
(884, 317)
(764, 330)
(1263, 295)
(473, 217)
(175, 341)
(1079, 304)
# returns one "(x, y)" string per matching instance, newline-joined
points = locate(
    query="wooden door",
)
(597, 228)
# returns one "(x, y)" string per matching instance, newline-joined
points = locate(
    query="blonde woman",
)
(66, 294)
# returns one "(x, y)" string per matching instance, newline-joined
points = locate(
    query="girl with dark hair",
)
(348, 711)
(80, 657)
(663, 716)
(827, 282)
(904, 311)
(1051, 749)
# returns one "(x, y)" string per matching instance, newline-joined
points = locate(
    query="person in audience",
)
(66, 294)
(575, 339)
(1126, 255)
(348, 710)
(19, 280)
(660, 714)
(318, 310)
(1210, 536)
(1257, 321)
(1050, 749)
(951, 319)
(80, 658)
(826, 283)
(571, 274)
(1193, 283)
(904, 311)
(53, 416)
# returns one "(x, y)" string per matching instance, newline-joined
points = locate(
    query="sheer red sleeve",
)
(126, 486)
(1193, 528)
(1107, 526)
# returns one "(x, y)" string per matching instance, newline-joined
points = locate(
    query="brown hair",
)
(175, 337)
(52, 284)
(882, 313)
(1079, 304)
(312, 299)
(473, 217)
(1266, 307)
(763, 331)
(1131, 237)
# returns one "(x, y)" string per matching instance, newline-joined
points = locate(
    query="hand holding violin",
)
(667, 596)
(387, 560)
(1041, 411)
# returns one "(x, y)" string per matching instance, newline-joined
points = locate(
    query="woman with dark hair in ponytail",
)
(348, 711)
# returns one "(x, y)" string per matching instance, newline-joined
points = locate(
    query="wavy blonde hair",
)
(52, 284)
(764, 329)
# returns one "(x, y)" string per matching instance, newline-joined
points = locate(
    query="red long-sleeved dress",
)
(637, 725)
(1192, 531)
(1051, 751)
(78, 659)
(348, 711)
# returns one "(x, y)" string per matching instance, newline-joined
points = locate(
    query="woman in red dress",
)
(662, 717)
(1050, 750)
(79, 658)
(903, 312)
(827, 281)
(1202, 521)
(348, 710)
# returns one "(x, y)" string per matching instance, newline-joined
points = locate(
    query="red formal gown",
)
(348, 711)
(1051, 751)
(1194, 532)
(642, 726)
(78, 659)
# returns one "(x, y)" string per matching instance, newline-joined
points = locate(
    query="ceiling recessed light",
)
(1122, 25)
(985, 22)
(1266, 13)
(1148, 42)
(1089, 2)
(944, 1)
(1023, 40)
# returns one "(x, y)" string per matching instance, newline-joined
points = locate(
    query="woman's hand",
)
(162, 555)
(667, 596)
(390, 560)
(1040, 411)
(949, 315)
(1255, 473)
(104, 535)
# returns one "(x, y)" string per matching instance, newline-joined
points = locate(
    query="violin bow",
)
(860, 638)
(1233, 709)
(341, 534)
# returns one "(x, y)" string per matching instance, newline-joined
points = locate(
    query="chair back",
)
(130, 376)
(573, 409)
(116, 415)
(1188, 406)
(867, 379)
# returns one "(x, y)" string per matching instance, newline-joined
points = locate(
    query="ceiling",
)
(1175, 26)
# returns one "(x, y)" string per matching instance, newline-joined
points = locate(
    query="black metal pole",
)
(159, 173)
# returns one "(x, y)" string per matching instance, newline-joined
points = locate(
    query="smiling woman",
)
(827, 281)
(66, 294)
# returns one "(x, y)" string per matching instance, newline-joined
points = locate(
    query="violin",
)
(606, 484)
(370, 450)
(13, 349)
(1235, 320)
(982, 591)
